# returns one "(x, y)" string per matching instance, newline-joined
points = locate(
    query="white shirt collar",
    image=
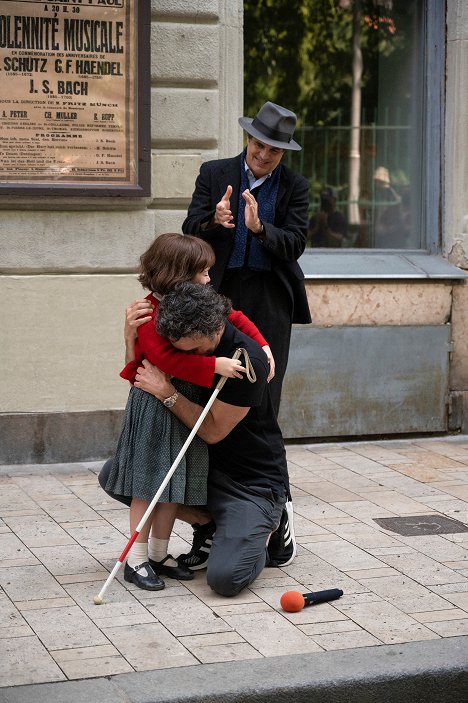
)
(253, 181)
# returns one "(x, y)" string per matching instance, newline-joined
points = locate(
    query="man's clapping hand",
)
(223, 214)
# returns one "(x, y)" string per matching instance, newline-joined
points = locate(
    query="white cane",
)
(98, 600)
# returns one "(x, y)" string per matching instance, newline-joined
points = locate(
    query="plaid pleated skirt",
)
(150, 440)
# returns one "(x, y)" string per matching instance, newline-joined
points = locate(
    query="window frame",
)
(434, 22)
(432, 40)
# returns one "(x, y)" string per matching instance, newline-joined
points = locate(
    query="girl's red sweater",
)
(159, 351)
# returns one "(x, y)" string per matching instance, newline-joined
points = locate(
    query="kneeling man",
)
(248, 479)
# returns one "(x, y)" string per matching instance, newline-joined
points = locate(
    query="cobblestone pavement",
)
(60, 535)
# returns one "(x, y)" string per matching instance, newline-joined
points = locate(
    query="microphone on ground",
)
(293, 601)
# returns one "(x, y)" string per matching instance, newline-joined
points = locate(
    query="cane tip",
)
(98, 600)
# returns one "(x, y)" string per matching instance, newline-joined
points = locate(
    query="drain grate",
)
(413, 525)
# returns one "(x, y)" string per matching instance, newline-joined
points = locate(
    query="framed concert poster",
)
(75, 98)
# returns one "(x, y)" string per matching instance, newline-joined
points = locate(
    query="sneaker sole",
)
(199, 567)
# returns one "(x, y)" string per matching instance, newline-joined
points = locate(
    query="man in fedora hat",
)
(252, 209)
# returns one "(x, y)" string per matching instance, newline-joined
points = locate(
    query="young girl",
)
(151, 436)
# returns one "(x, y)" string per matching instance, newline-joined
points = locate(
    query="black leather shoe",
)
(180, 572)
(151, 582)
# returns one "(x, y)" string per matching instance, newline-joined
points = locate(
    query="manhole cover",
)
(412, 525)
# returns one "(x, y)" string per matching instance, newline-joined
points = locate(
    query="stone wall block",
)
(464, 427)
(232, 14)
(180, 116)
(197, 10)
(459, 365)
(381, 303)
(184, 53)
(66, 331)
(169, 220)
(231, 83)
(79, 241)
(457, 20)
(173, 175)
(456, 143)
(49, 438)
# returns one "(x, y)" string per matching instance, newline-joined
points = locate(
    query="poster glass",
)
(71, 95)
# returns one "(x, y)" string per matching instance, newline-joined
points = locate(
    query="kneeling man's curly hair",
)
(192, 310)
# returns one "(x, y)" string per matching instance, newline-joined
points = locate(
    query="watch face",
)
(169, 402)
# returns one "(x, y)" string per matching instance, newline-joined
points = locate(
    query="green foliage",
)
(273, 35)
(298, 53)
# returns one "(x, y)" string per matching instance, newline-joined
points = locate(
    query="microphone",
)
(293, 601)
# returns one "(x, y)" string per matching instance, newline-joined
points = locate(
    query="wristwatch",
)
(171, 401)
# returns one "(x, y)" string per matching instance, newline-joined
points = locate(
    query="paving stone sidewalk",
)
(60, 535)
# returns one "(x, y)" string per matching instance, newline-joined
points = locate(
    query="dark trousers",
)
(245, 516)
(263, 298)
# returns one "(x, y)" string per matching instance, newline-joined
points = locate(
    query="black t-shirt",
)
(253, 453)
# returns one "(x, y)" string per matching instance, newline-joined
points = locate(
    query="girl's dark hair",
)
(173, 258)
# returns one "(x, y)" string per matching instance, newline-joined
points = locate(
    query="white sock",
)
(157, 550)
(137, 555)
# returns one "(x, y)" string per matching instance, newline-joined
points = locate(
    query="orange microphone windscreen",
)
(292, 601)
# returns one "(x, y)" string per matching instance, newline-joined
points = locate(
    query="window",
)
(364, 159)
(369, 120)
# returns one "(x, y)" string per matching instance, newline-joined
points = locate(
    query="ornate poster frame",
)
(75, 98)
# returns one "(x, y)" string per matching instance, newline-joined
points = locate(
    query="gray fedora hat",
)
(273, 125)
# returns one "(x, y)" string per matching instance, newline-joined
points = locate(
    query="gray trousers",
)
(245, 516)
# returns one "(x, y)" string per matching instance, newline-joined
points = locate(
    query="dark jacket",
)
(285, 238)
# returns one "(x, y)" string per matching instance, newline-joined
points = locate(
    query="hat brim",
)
(246, 124)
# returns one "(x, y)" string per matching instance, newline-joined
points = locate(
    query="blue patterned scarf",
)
(258, 257)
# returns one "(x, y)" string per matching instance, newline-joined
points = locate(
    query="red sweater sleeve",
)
(194, 368)
(245, 325)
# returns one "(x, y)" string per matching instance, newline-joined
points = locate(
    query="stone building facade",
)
(68, 269)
